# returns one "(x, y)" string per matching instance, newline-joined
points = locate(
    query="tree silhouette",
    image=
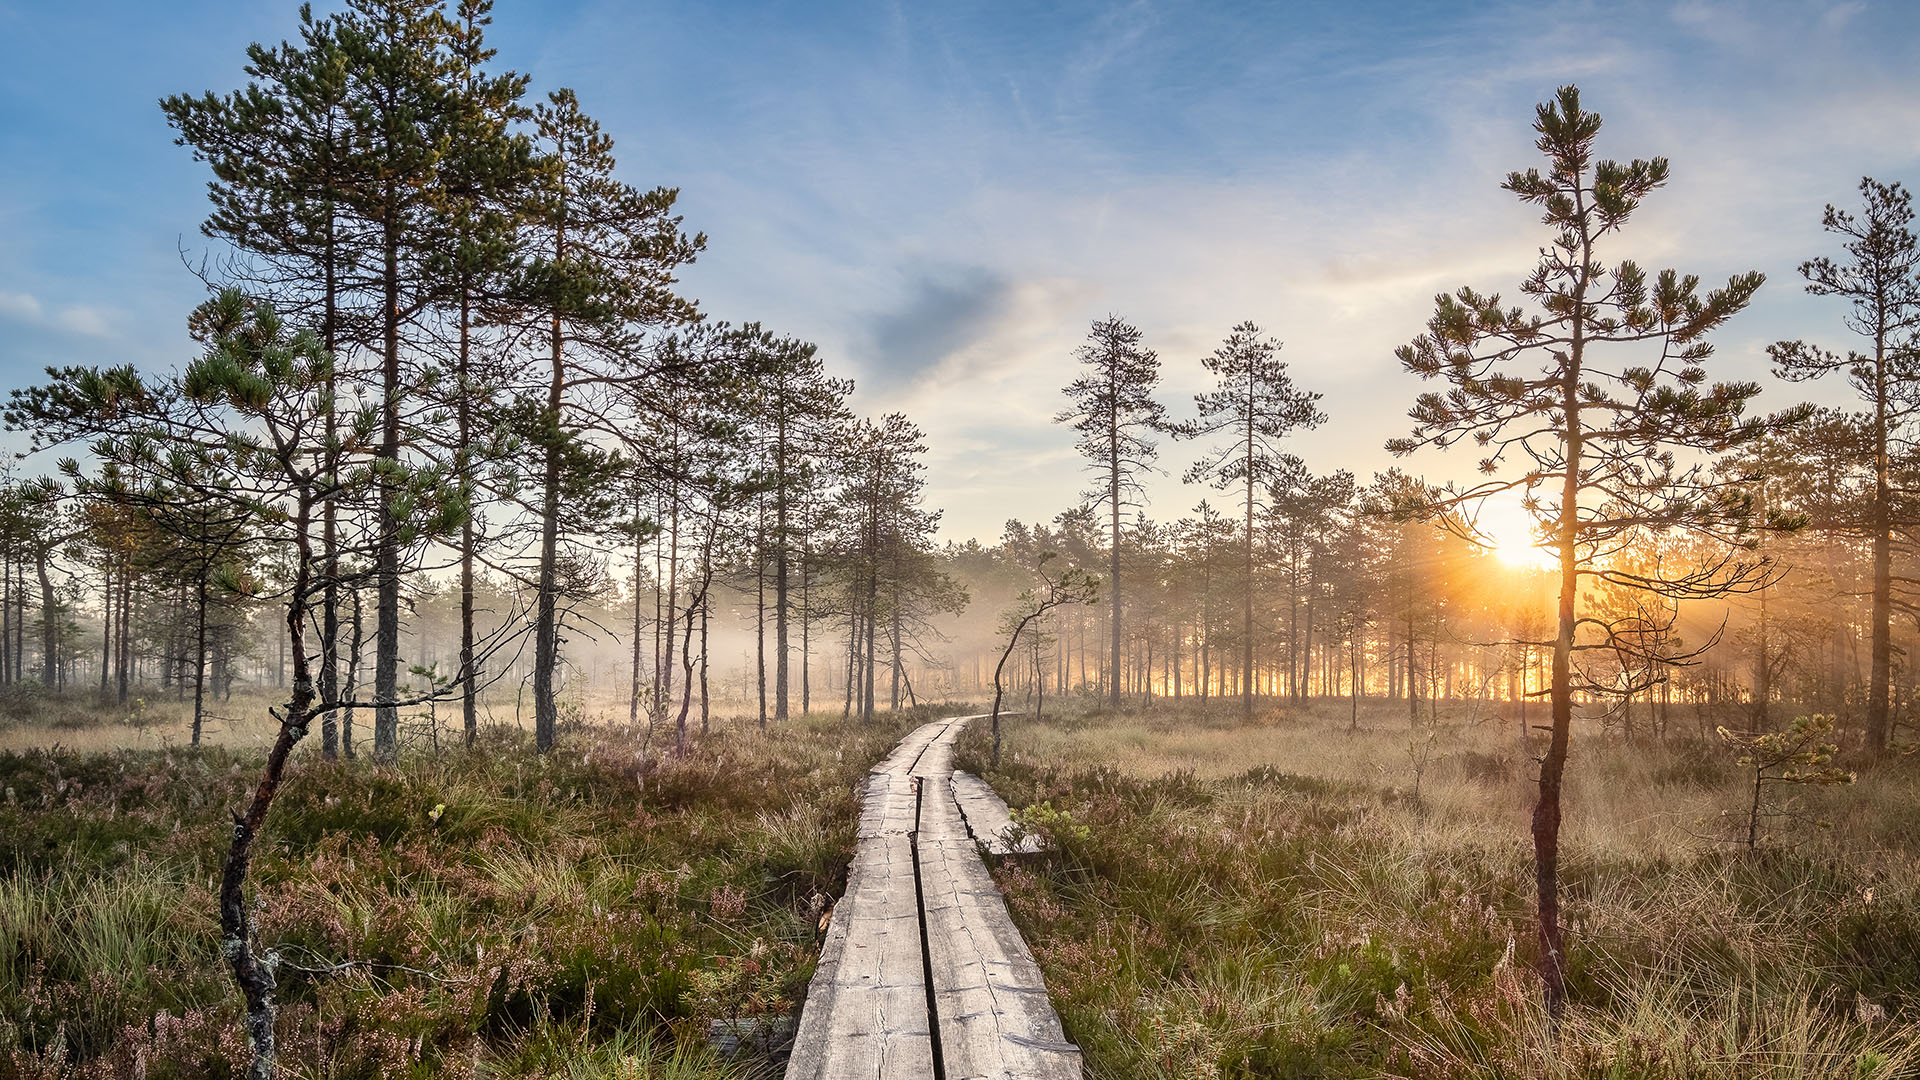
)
(1114, 412)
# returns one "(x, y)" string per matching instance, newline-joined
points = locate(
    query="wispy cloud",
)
(20, 307)
(944, 196)
(80, 319)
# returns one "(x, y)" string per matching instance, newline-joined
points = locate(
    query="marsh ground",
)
(588, 913)
(1288, 898)
(1276, 899)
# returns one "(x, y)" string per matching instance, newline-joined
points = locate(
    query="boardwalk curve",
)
(923, 973)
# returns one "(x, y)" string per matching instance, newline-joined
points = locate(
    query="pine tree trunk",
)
(706, 606)
(351, 691)
(469, 668)
(49, 622)
(200, 656)
(125, 660)
(1113, 559)
(106, 626)
(806, 627)
(254, 974)
(1246, 672)
(760, 614)
(386, 646)
(329, 689)
(673, 595)
(1546, 812)
(546, 709)
(780, 570)
(1880, 688)
(639, 624)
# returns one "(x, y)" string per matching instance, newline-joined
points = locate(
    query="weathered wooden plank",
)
(866, 1011)
(868, 1015)
(988, 818)
(936, 761)
(908, 752)
(888, 806)
(989, 999)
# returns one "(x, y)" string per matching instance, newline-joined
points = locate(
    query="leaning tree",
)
(1050, 591)
(1599, 395)
(242, 435)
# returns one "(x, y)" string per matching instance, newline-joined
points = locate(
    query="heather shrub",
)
(494, 912)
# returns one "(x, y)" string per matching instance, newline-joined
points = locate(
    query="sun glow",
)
(1509, 530)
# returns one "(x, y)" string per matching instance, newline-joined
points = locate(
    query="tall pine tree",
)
(1114, 411)
(1596, 394)
(1881, 282)
(1254, 406)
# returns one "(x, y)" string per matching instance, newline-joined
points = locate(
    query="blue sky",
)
(945, 195)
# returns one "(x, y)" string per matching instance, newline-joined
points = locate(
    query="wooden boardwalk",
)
(923, 973)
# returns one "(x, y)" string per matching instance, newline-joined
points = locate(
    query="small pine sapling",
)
(1797, 756)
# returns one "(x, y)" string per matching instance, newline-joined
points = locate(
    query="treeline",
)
(1727, 562)
(443, 326)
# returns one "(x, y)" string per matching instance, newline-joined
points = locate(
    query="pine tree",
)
(483, 187)
(1881, 282)
(403, 105)
(1114, 411)
(1602, 439)
(797, 409)
(283, 163)
(1255, 406)
(604, 258)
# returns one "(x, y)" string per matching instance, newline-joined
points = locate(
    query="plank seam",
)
(926, 947)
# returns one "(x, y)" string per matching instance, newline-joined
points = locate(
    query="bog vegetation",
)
(464, 662)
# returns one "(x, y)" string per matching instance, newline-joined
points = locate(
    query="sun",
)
(1508, 529)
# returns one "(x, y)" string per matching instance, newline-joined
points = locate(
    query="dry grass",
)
(586, 913)
(1275, 900)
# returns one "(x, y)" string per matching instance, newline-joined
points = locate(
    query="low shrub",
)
(494, 912)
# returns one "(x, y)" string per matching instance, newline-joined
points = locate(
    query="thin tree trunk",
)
(806, 625)
(760, 613)
(386, 649)
(469, 667)
(1546, 813)
(1246, 673)
(254, 974)
(1879, 693)
(49, 622)
(639, 556)
(200, 656)
(780, 556)
(106, 626)
(546, 709)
